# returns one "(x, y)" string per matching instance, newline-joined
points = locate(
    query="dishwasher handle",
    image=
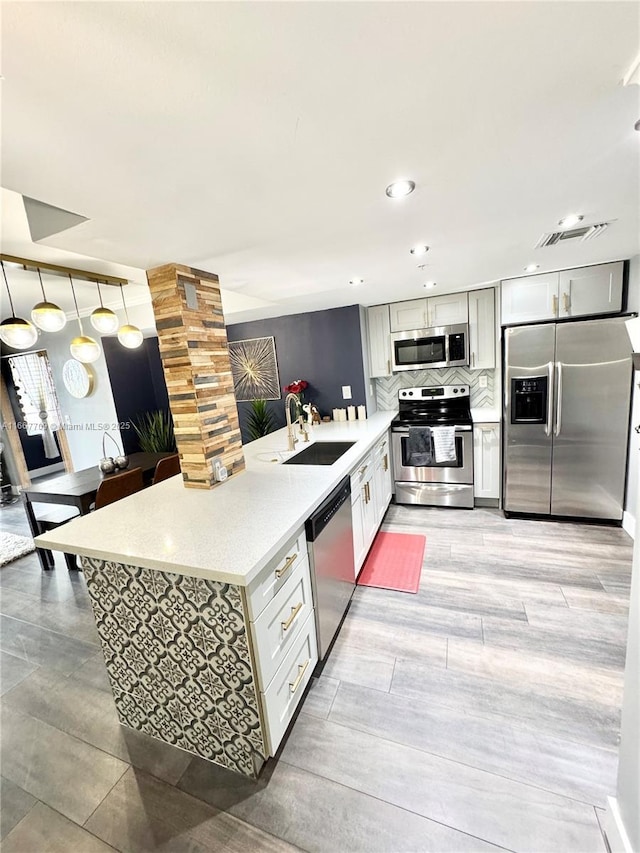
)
(320, 517)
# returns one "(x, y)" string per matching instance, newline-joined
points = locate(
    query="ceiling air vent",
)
(584, 232)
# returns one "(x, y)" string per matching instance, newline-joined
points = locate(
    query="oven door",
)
(460, 471)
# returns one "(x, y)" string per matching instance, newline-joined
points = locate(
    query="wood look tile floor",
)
(480, 714)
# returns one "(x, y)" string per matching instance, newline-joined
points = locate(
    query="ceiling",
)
(255, 140)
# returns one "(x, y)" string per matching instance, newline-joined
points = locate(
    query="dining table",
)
(77, 489)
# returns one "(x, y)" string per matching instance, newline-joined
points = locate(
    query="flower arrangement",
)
(297, 387)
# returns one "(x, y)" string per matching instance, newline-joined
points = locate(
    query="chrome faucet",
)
(292, 440)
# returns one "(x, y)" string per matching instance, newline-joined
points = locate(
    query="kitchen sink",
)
(320, 453)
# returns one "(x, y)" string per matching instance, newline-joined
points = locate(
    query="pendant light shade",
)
(47, 315)
(129, 336)
(104, 320)
(14, 331)
(83, 348)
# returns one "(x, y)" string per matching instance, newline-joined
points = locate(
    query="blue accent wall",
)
(137, 384)
(323, 347)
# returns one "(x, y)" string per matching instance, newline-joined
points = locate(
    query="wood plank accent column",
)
(197, 370)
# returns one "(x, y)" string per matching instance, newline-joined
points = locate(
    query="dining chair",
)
(167, 467)
(50, 517)
(118, 486)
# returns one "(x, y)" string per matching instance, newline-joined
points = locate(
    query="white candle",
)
(352, 413)
(362, 413)
(336, 414)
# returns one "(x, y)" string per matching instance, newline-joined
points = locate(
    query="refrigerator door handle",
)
(547, 426)
(559, 400)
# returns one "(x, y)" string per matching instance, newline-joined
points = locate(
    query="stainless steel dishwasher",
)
(333, 576)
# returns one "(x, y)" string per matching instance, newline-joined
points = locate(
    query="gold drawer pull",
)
(288, 563)
(554, 305)
(302, 668)
(363, 469)
(294, 612)
(385, 462)
(367, 493)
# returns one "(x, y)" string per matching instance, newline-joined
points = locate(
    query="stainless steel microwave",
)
(441, 346)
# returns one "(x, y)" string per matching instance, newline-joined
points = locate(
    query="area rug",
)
(12, 547)
(394, 562)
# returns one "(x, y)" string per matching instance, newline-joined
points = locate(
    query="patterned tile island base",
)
(178, 658)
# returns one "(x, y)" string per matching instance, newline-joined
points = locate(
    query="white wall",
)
(633, 462)
(85, 442)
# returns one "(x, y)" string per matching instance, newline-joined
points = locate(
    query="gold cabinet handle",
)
(388, 366)
(367, 492)
(302, 668)
(554, 305)
(385, 462)
(363, 469)
(566, 302)
(287, 565)
(473, 359)
(294, 612)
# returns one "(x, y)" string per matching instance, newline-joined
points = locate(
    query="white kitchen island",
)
(203, 600)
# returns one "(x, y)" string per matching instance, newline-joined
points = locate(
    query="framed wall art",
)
(255, 369)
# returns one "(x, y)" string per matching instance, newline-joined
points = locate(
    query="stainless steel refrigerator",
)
(567, 391)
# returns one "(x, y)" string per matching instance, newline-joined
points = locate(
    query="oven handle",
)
(406, 429)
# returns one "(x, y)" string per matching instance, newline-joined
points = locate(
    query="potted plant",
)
(155, 432)
(260, 420)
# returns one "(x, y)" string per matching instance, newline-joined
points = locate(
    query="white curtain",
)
(38, 399)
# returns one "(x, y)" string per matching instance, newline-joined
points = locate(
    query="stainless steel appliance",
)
(440, 346)
(333, 575)
(434, 483)
(567, 390)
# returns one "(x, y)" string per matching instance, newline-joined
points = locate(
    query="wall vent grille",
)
(584, 232)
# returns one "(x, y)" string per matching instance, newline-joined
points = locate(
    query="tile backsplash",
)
(387, 387)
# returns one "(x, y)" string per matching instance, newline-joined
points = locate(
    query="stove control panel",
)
(434, 392)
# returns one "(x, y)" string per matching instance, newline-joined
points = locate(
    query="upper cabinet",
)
(570, 293)
(591, 290)
(425, 313)
(409, 315)
(379, 341)
(482, 329)
(530, 298)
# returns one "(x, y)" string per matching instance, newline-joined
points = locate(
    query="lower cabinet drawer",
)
(280, 699)
(275, 574)
(281, 622)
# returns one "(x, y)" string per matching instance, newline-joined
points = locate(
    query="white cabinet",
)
(362, 513)
(530, 298)
(447, 310)
(569, 293)
(591, 290)
(371, 488)
(425, 313)
(379, 341)
(486, 460)
(382, 479)
(406, 316)
(482, 329)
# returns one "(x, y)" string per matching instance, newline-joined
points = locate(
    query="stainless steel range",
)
(432, 446)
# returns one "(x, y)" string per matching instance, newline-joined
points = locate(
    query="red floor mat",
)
(394, 562)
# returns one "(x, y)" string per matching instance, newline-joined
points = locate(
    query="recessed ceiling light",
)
(419, 250)
(398, 189)
(429, 284)
(571, 220)
(356, 281)
(532, 267)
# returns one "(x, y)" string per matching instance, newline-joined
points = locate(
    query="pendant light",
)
(47, 315)
(82, 348)
(129, 336)
(14, 331)
(104, 320)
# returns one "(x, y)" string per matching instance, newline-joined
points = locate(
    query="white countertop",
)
(228, 533)
(486, 415)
